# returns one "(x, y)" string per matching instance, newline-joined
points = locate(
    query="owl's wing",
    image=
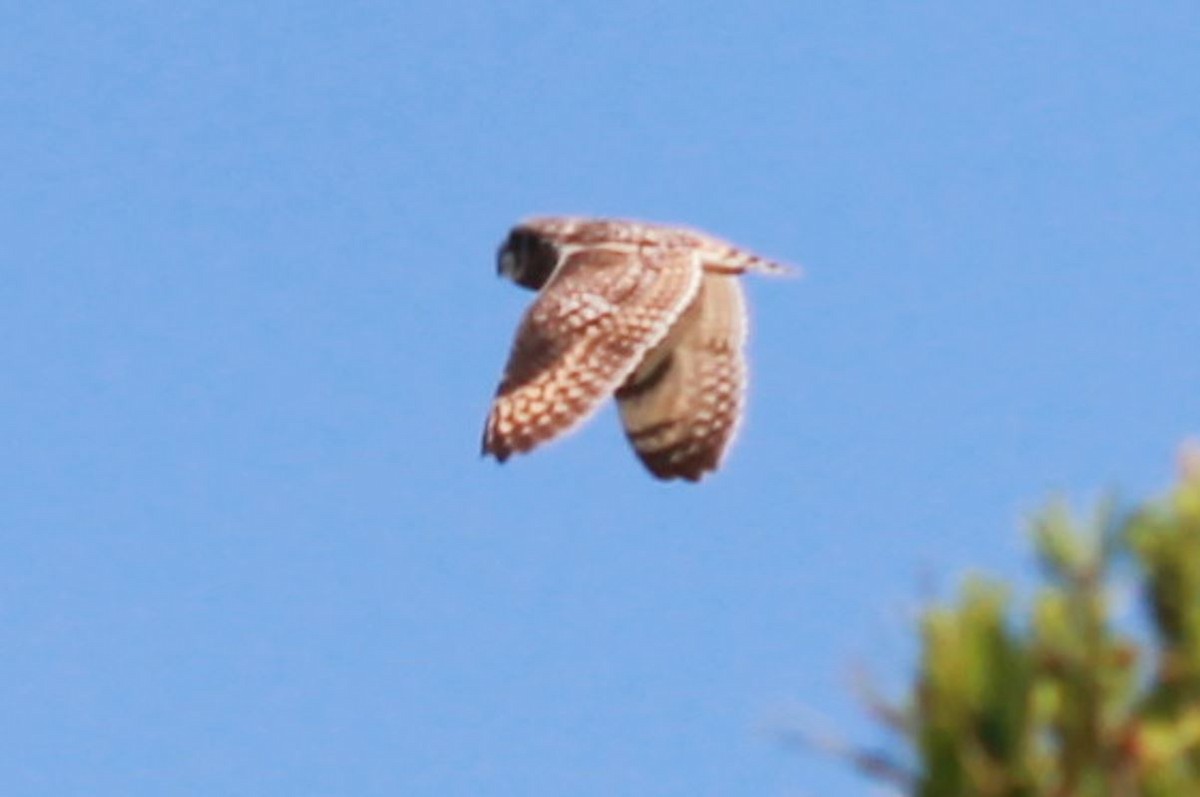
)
(590, 326)
(682, 405)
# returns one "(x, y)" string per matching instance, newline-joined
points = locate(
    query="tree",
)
(1052, 696)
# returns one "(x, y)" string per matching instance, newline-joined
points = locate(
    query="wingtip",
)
(489, 448)
(665, 465)
(500, 456)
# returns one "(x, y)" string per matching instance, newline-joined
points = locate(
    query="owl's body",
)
(650, 314)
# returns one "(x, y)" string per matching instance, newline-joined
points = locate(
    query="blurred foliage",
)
(1052, 696)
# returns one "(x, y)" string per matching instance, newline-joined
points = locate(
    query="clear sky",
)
(250, 326)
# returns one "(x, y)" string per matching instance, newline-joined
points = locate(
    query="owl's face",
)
(526, 258)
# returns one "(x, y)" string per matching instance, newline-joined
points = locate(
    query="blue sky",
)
(251, 326)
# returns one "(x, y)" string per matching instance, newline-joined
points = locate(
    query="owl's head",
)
(527, 258)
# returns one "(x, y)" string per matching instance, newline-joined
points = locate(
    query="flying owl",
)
(650, 314)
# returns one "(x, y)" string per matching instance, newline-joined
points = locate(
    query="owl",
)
(650, 314)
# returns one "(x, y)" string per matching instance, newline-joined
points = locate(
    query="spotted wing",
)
(590, 326)
(682, 405)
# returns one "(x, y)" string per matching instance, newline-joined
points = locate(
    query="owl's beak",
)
(506, 263)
